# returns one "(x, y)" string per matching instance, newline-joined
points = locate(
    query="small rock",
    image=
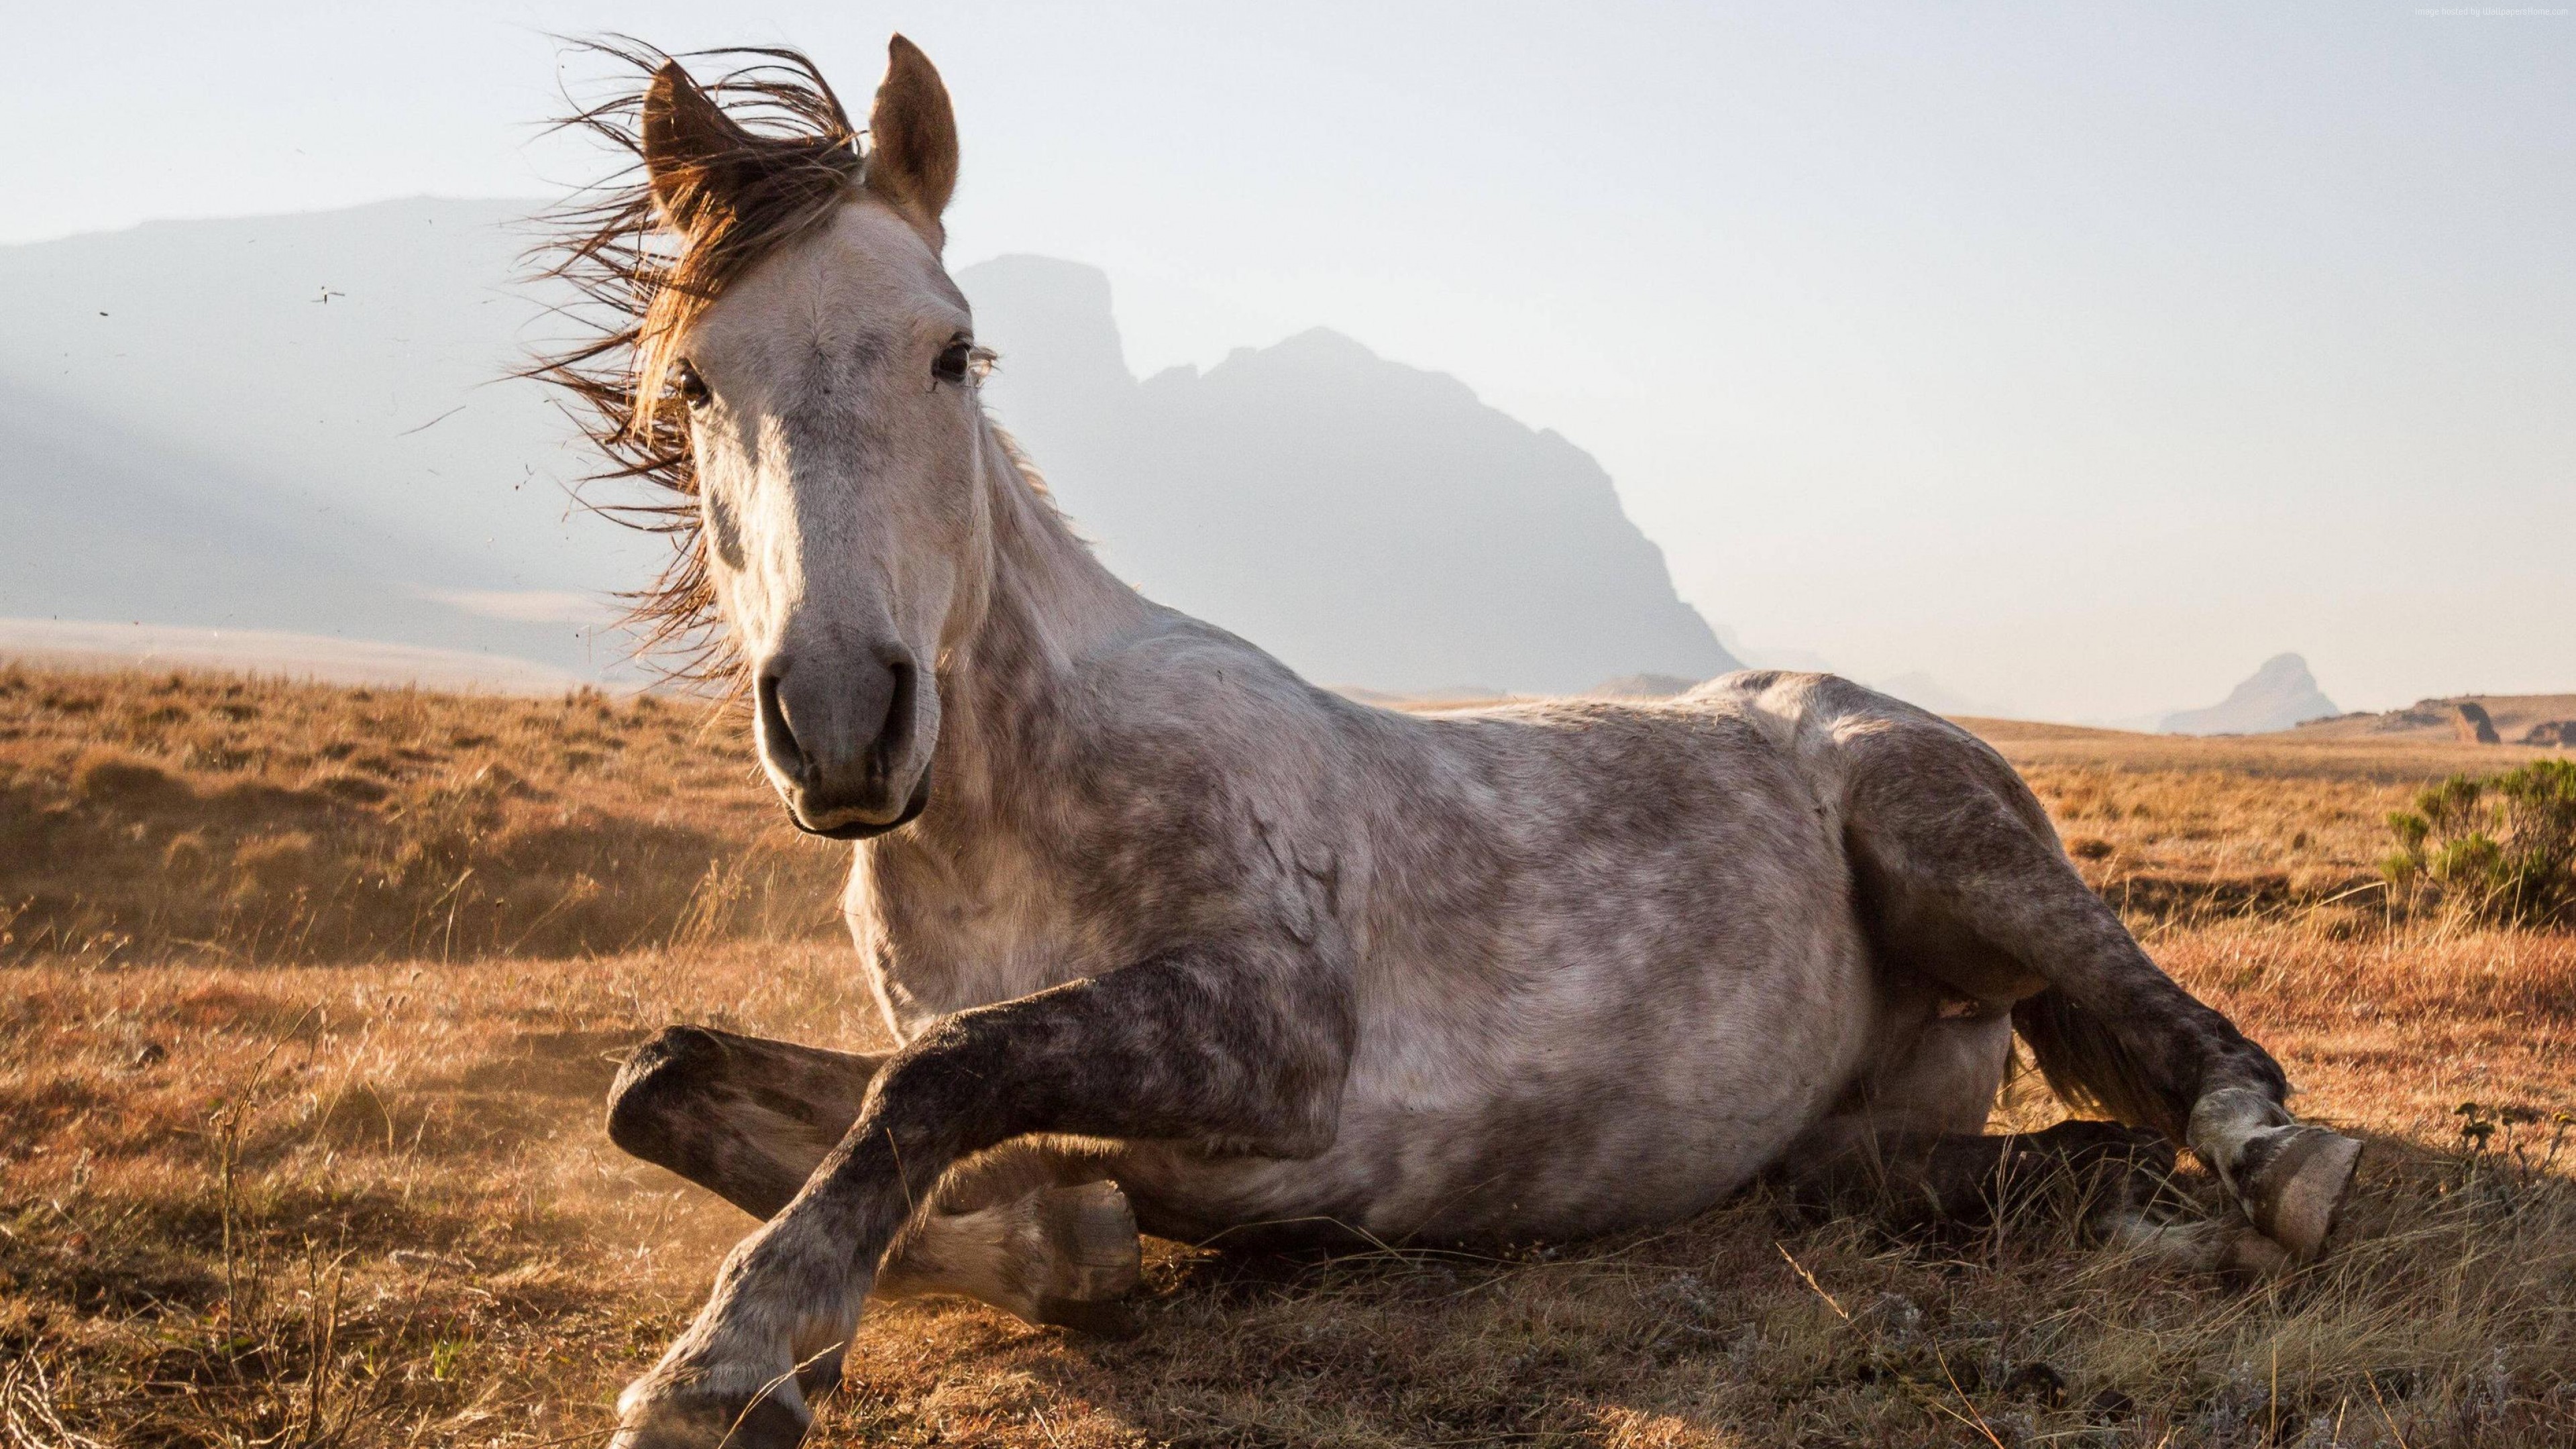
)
(1685, 1294)
(2037, 1380)
(2109, 1407)
(2319, 1434)
(1896, 1311)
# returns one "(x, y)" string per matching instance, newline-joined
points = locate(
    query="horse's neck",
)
(955, 906)
(1048, 606)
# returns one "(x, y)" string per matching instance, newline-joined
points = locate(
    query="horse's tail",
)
(2086, 1061)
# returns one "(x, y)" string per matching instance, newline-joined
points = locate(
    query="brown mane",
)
(641, 273)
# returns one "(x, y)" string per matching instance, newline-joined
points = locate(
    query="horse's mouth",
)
(848, 823)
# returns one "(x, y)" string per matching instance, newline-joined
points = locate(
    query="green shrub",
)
(2501, 849)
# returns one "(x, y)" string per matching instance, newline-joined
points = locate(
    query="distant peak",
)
(1317, 345)
(1055, 269)
(1322, 355)
(2276, 696)
(1324, 340)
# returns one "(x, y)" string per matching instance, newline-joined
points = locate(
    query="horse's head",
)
(827, 368)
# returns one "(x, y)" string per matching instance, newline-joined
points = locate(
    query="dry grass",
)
(2181, 831)
(367, 1201)
(153, 818)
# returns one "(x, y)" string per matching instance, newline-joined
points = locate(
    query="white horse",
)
(1165, 929)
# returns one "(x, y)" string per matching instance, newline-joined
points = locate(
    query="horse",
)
(1176, 942)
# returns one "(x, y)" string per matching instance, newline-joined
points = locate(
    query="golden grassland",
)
(2177, 830)
(311, 1154)
(147, 816)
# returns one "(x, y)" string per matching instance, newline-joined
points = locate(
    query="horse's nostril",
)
(894, 734)
(776, 738)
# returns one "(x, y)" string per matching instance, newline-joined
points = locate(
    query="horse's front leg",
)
(1241, 1049)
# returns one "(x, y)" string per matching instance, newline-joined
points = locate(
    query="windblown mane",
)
(641, 272)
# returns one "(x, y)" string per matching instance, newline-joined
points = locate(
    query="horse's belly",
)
(1638, 1118)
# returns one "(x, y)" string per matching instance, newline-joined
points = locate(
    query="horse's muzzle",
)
(837, 737)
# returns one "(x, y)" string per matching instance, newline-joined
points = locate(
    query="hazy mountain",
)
(294, 423)
(303, 423)
(2278, 695)
(1368, 522)
(103, 524)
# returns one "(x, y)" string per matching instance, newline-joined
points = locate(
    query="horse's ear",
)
(694, 153)
(912, 139)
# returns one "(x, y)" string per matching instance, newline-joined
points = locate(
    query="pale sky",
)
(2082, 356)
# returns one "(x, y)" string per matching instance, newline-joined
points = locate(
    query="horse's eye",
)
(692, 386)
(954, 361)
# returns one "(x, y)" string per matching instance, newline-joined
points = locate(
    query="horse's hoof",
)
(2293, 1181)
(2252, 1256)
(1098, 1320)
(1091, 1232)
(660, 1414)
(2227, 1246)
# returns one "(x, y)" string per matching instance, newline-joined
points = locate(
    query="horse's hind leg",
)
(1961, 878)
(2109, 1181)
(1032, 1230)
(1907, 1146)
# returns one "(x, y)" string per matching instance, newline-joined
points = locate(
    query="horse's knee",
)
(2081, 1142)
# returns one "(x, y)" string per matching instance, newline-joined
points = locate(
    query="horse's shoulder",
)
(1173, 651)
(1211, 727)
(1200, 687)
